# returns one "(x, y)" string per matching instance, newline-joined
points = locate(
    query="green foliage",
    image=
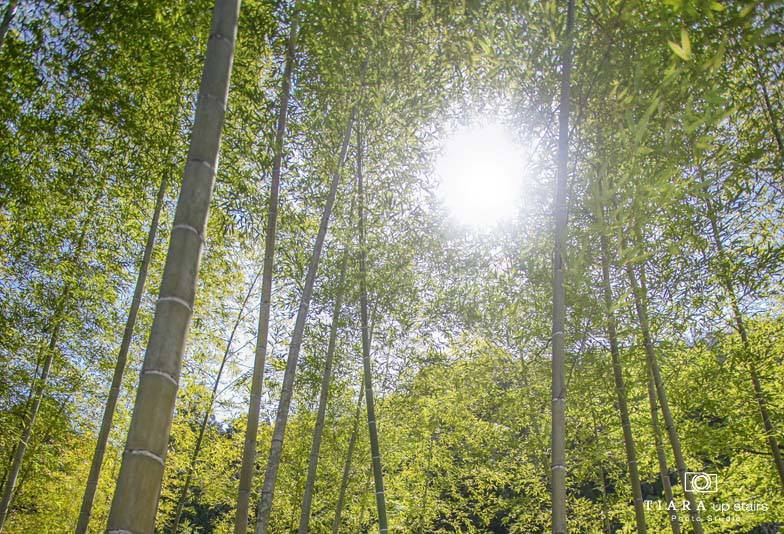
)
(677, 107)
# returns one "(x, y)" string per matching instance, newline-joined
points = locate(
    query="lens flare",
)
(480, 171)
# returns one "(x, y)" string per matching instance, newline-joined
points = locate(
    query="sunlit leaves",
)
(682, 50)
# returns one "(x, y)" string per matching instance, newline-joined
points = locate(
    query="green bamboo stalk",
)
(661, 456)
(205, 419)
(138, 487)
(347, 466)
(740, 324)
(257, 380)
(640, 304)
(287, 390)
(122, 358)
(620, 388)
(383, 526)
(559, 298)
(310, 482)
(56, 323)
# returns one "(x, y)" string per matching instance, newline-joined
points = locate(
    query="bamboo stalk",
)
(122, 358)
(620, 388)
(287, 390)
(669, 423)
(138, 487)
(310, 481)
(257, 380)
(203, 427)
(371, 415)
(558, 432)
(740, 324)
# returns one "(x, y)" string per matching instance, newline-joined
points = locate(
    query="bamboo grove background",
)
(654, 137)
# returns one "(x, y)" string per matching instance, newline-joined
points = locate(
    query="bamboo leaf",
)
(746, 11)
(680, 52)
(685, 42)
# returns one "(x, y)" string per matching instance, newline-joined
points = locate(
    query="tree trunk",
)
(371, 415)
(640, 304)
(40, 387)
(287, 390)
(203, 427)
(620, 389)
(138, 487)
(257, 380)
(304, 518)
(664, 470)
(347, 467)
(114, 390)
(740, 324)
(559, 304)
(8, 15)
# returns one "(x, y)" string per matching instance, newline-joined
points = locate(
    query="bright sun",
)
(480, 171)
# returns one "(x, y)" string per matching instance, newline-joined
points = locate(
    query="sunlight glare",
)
(480, 171)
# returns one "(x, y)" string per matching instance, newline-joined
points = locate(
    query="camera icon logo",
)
(700, 482)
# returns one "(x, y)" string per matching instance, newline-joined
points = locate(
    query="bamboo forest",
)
(391, 266)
